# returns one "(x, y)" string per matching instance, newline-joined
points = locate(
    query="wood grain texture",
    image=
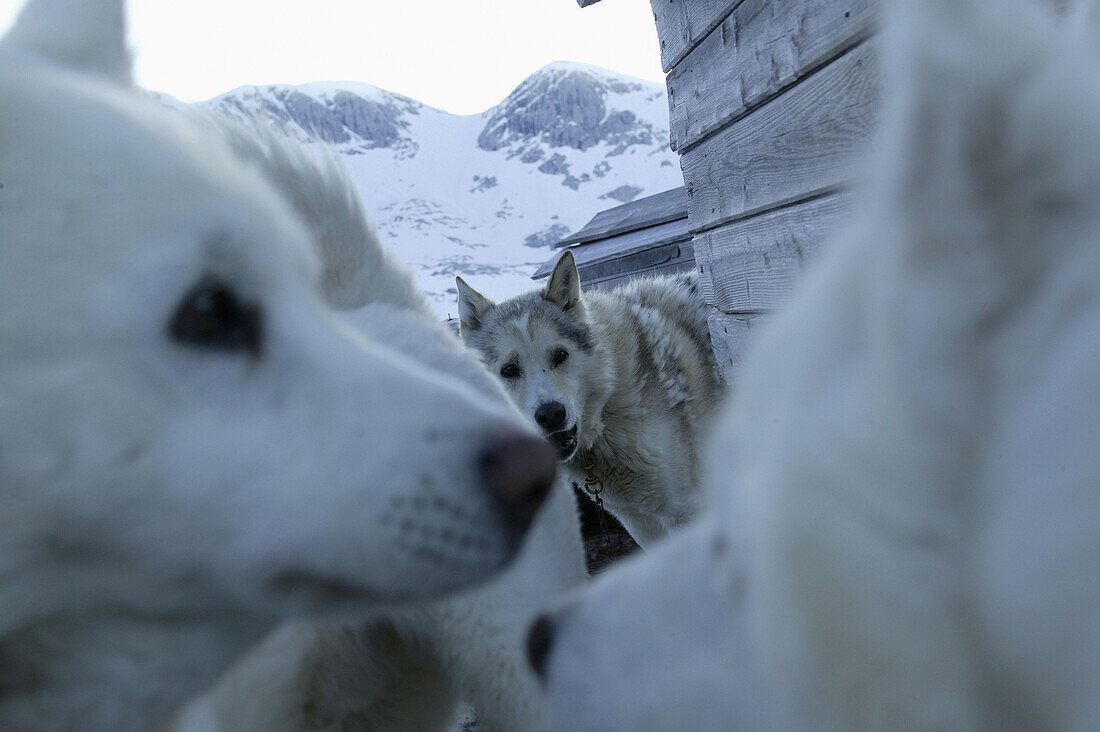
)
(801, 144)
(681, 24)
(731, 336)
(643, 262)
(752, 265)
(610, 283)
(761, 48)
(622, 245)
(656, 209)
(634, 263)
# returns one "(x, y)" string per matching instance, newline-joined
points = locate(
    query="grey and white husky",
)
(622, 383)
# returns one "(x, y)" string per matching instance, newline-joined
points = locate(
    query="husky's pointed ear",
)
(472, 306)
(84, 34)
(564, 287)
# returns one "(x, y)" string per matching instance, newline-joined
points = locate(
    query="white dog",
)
(409, 668)
(910, 474)
(192, 447)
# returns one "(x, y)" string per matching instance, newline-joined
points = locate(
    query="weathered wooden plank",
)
(730, 336)
(639, 260)
(656, 209)
(800, 144)
(751, 265)
(683, 23)
(610, 283)
(631, 262)
(622, 245)
(645, 261)
(762, 47)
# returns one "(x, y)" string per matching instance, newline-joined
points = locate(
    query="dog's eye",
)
(211, 316)
(509, 371)
(559, 357)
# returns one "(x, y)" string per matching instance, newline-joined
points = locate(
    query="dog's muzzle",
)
(565, 442)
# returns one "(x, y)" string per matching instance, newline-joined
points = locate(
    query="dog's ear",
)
(472, 306)
(89, 35)
(564, 287)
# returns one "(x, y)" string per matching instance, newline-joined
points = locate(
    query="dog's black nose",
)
(540, 639)
(519, 472)
(551, 416)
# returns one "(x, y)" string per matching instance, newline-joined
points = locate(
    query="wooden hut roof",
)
(649, 211)
(649, 234)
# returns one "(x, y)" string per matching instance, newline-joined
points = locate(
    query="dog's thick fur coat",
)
(406, 669)
(909, 523)
(638, 383)
(193, 447)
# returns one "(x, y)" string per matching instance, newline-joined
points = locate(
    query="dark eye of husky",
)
(509, 371)
(211, 316)
(559, 357)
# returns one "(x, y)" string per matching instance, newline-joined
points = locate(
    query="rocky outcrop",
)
(624, 193)
(336, 117)
(548, 236)
(565, 105)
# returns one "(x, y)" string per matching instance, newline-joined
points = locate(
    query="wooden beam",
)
(797, 146)
(682, 264)
(731, 336)
(752, 265)
(586, 3)
(681, 24)
(656, 209)
(647, 261)
(623, 245)
(761, 48)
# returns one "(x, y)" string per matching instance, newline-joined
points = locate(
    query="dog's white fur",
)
(164, 504)
(412, 669)
(409, 668)
(910, 521)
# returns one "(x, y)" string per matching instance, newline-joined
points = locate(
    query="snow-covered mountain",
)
(483, 195)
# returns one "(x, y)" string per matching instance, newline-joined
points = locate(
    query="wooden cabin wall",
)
(674, 258)
(771, 103)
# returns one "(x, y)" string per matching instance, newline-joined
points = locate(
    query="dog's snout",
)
(540, 639)
(551, 416)
(519, 472)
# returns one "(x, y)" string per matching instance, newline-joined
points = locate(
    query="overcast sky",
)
(461, 55)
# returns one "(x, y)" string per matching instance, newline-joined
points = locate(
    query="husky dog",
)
(908, 524)
(193, 448)
(408, 668)
(909, 520)
(622, 383)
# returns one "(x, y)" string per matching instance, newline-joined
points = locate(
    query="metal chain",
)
(593, 486)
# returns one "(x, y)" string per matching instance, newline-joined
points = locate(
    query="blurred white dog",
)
(407, 668)
(192, 446)
(909, 479)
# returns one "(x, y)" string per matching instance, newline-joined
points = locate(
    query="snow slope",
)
(483, 195)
